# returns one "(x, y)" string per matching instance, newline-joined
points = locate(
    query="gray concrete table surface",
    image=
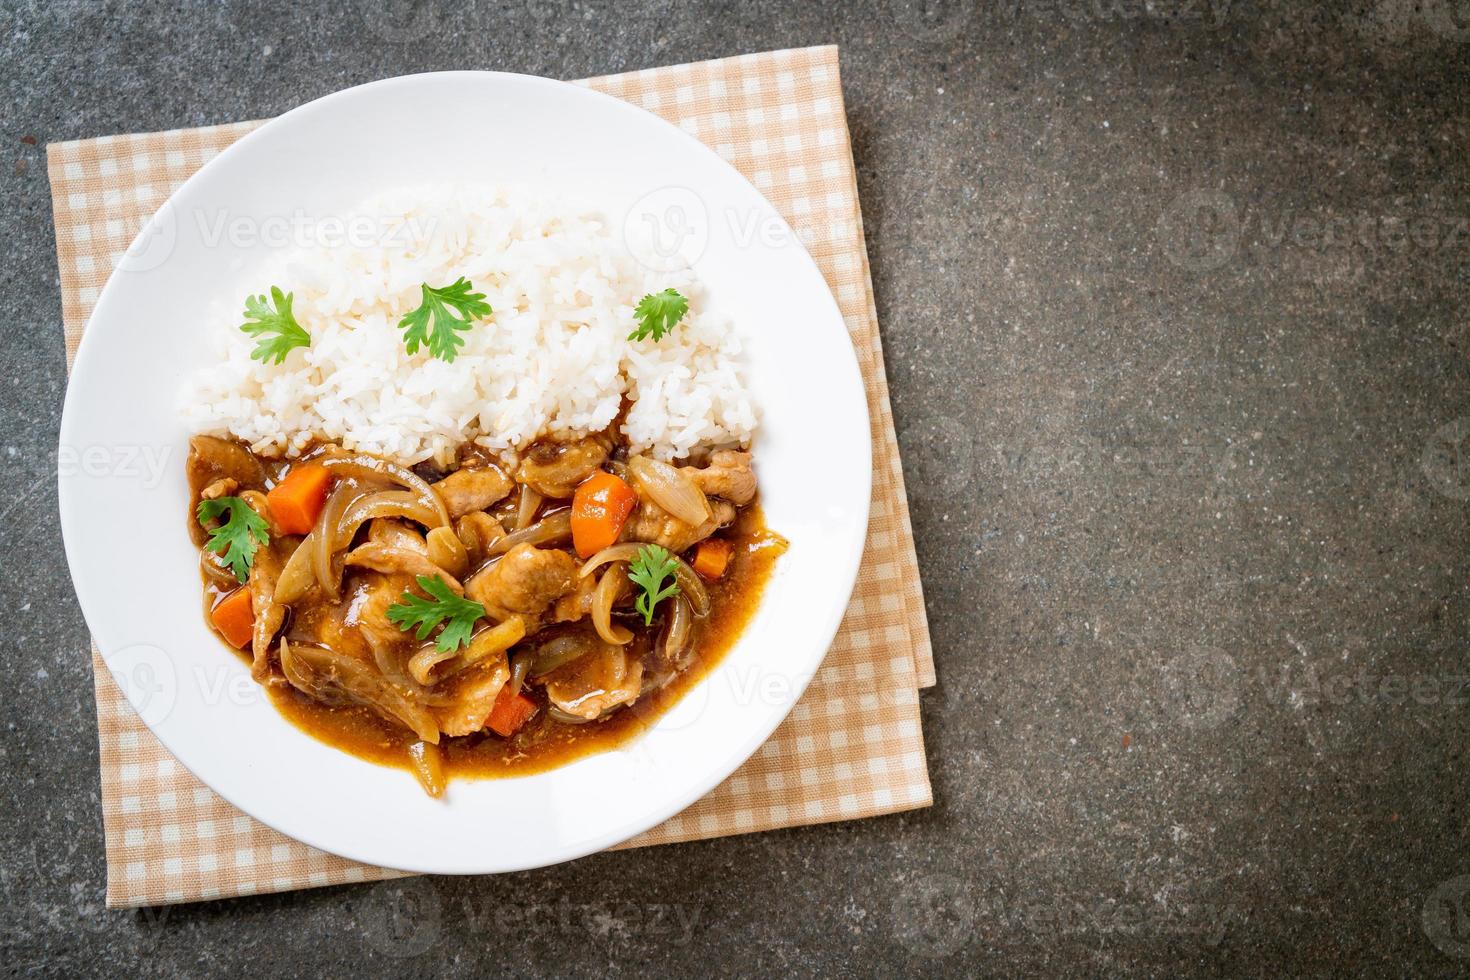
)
(1174, 301)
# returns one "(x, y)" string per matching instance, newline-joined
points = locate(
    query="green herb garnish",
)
(261, 320)
(658, 314)
(442, 335)
(458, 615)
(237, 537)
(648, 571)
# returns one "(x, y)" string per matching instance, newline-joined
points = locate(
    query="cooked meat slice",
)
(728, 475)
(396, 547)
(394, 533)
(269, 614)
(324, 624)
(577, 603)
(472, 695)
(391, 559)
(590, 686)
(363, 628)
(651, 523)
(555, 468)
(472, 488)
(525, 581)
(212, 458)
(219, 488)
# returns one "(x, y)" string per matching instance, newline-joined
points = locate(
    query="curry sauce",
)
(545, 744)
(552, 659)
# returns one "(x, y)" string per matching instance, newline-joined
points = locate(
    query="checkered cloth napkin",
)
(851, 747)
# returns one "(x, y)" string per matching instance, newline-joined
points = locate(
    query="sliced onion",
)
(691, 585)
(671, 489)
(448, 552)
(317, 670)
(613, 552)
(477, 531)
(562, 650)
(552, 529)
(611, 587)
(365, 467)
(421, 665)
(324, 535)
(375, 504)
(218, 572)
(296, 575)
(530, 503)
(388, 665)
(566, 718)
(427, 762)
(486, 643)
(520, 668)
(312, 559)
(678, 630)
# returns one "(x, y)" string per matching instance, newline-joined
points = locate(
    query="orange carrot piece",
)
(600, 506)
(509, 712)
(234, 617)
(711, 557)
(296, 501)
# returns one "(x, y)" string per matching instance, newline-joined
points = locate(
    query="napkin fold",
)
(851, 748)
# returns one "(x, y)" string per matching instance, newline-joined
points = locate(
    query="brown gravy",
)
(545, 744)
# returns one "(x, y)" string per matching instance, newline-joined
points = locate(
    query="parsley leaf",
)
(658, 314)
(261, 320)
(648, 571)
(238, 536)
(457, 614)
(442, 337)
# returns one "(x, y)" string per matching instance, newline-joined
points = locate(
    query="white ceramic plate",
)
(124, 497)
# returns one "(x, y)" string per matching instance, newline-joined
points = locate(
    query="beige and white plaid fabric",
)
(851, 748)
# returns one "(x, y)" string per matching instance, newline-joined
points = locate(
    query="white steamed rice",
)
(552, 359)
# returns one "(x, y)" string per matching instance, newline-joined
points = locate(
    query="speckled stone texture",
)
(1175, 303)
